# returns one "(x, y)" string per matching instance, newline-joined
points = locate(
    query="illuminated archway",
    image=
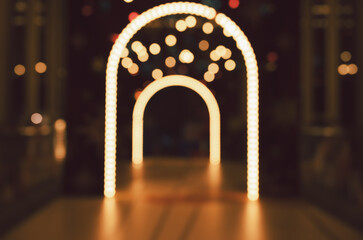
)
(169, 81)
(252, 87)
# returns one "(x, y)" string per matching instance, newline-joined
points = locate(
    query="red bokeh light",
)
(113, 37)
(137, 94)
(133, 15)
(272, 57)
(87, 10)
(233, 3)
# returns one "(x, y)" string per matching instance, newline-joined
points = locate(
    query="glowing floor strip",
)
(169, 81)
(242, 43)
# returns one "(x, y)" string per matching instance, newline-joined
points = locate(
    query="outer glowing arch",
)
(252, 87)
(169, 81)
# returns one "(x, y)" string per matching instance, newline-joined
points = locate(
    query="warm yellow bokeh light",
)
(134, 69)
(155, 48)
(59, 140)
(227, 33)
(137, 46)
(207, 28)
(181, 25)
(19, 70)
(126, 62)
(213, 68)
(230, 65)
(353, 69)
(143, 56)
(40, 67)
(221, 50)
(36, 118)
(343, 69)
(203, 45)
(214, 56)
(125, 53)
(60, 125)
(227, 54)
(170, 62)
(191, 21)
(345, 56)
(169, 81)
(128, 1)
(242, 44)
(170, 40)
(157, 73)
(186, 56)
(209, 76)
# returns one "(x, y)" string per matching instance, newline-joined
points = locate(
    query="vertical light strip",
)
(252, 87)
(169, 81)
(252, 103)
(59, 140)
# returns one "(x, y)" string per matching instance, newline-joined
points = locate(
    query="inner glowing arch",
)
(183, 81)
(252, 87)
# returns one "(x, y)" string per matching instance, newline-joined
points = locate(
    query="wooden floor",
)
(180, 200)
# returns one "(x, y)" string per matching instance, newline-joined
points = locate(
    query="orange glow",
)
(114, 37)
(133, 15)
(253, 219)
(40, 67)
(353, 69)
(19, 70)
(214, 175)
(59, 140)
(203, 45)
(36, 118)
(346, 56)
(170, 40)
(137, 94)
(60, 125)
(128, 1)
(343, 69)
(110, 220)
(170, 62)
(20, 6)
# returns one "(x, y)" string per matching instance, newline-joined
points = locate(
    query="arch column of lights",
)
(252, 87)
(169, 81)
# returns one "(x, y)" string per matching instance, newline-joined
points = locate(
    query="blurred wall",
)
(32, 132)
(331, 96)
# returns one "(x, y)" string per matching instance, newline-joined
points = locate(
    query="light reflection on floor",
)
(180, 200)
